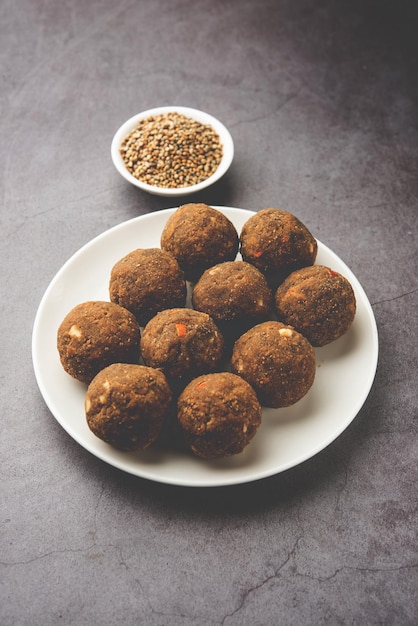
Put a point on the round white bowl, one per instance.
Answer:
(199, 116)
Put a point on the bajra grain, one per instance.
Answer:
(171, 150)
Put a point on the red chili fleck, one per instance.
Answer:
(258, 253)
(181, 330)
(332, 273)
(201, 384)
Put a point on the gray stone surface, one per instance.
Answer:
(322, 100)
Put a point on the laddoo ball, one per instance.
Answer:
(183, 343)
(126, 405)
(318, 301)
(235, 294)
(199, 236)
(277, 361)
(218, 415)
(146, 281)
(95, 334)
(276, 242)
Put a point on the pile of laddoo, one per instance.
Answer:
(195, 341)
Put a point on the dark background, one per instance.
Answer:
(321, 100)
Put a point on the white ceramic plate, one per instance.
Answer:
(287, 437)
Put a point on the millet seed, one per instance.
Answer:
(171, 150)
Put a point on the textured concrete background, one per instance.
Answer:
(321, 97)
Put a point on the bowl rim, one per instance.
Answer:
(196, 114)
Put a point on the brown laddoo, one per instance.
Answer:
(126, 405)
(183, 343)
(319, 302)
(276, 242)
(235, 294)
(95, 334)
(277, 361)
(199, 236)
(218, 415)
(146, 281)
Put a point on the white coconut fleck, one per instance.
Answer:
(75, 331)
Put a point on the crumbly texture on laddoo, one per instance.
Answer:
(199, 236)
(146, 281)
(277, 242)
(171, 150)
(319, 302)
(126, 405)
(218, 415)
(277, 361)
(95, 334)
(234, 293)
(183, 343)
